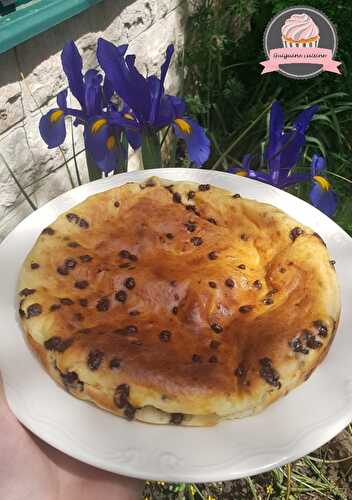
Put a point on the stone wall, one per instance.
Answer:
(31, 76)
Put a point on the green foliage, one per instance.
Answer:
(227, 92)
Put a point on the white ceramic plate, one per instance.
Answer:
(294, 426)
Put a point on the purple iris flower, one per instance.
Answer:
(147, 108)
(283, 152)
(102, 139)
(322, 196)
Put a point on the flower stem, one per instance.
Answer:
(151, 156)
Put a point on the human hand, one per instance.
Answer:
(30, 468)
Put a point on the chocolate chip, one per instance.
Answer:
(81, 284)
(165, 335)
(240, 371)
(197, 241)
(191, 208)
(78, 316)
(116, 204)
(204, 187)
(176, 418)
(62, 270)
(312, 343)
(83, 302)
(322, 328)
(216, 327)
(70, 264)
(212, 255)
(115, 363)
(57, 344)
(196, 358)
(176, 197)
(169, 236)
(229, 283)
(130, 283)
(268, 301)
(131, 329)
(268, 372)
(134, 313)
(319, 238)
(121, 395)
(49, 231)
(124, 254)
(245, 309)
(34, 310)
(72, 218)
(21, 312)
(174, 310)
(83, 224)
(129, 411)
(295, 232)
(332, 263)
(236, 195)
(214, 344)
(94, 359)
(173, 283)
(27, 291)
(190, 226)
(244, 237)
(34, 265)
(133, 257)
(191, 195)
(212, 284)
(121, 296)
(257, 284)
(282, 270)
(69, 377)
(213, 359)
(297, 346)
(85, 258)
(212, 221)
(66, 301)
(241, 266)
(103, 304)
(125, 265)
(73, 244)
(54, 307)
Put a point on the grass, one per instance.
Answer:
(324, 474)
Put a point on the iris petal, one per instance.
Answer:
(134, 138)
(126, 80)
(72, 66)
(53, 132)
(61, 99)
(157, 85)
(318, 165)
(198, 144)
(304, 118)
(102, 146)
(326, 201)
(92, 92)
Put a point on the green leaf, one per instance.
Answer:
(151, 156)
(93, 171)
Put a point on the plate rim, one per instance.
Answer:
(108, 183)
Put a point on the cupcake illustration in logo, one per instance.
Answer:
(300, 30)
(300, 42)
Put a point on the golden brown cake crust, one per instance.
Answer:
(178, 302)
